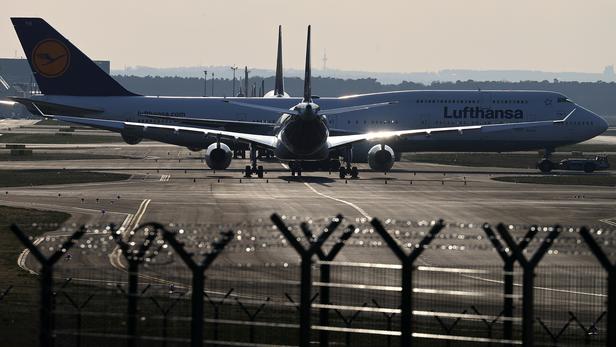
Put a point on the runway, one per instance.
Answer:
(172, 186)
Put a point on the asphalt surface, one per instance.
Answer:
(172, 186)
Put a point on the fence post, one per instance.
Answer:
(252, 316)
(79, 308)
(47, 263)
(306, 254)
(509, 261)
(528, 282)
(198, 278)
(165, 312)
(134, 257)
(610, 268)
(406, 302)
(216, 306)
(325, 277)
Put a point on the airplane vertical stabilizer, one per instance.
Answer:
(59, 67)
(307, 72)
(279, 84)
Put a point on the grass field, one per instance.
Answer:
(22, 298)
(609, 132)
(57, 139)
(36, 156)
(50, 121)
(504, 160)
(584, 180)
(588, 148)
(10, 247)
(18, 178)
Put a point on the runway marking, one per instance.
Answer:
(538, 288)
(357, 208)
(610, 221)
(131, 221)
(23, 256)
(520, 285)
(164, 178)
(21, 260)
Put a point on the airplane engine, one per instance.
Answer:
(131, 137)
(381, 158)
(218, 156)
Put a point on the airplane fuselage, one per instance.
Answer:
(413, 110)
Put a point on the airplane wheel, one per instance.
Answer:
(545, 166)
(342, 171)
(260, 171)
(292, 172)
(248, 171)
(354, 172)
(299, 173)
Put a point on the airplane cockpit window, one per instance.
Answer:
(564, 100)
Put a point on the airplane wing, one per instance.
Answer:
(325, 112)
(117, 126)
(230, 125)
(340, 110)
(234, 125)
(339, 141)
(262, 107)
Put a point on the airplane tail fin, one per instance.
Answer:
(307, 72)
(58, 66)
(279, 85)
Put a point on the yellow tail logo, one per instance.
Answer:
(50, 58)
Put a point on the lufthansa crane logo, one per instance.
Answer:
(51, 58)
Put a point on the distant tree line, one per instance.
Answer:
(598, 96)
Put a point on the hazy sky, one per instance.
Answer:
(386, 35)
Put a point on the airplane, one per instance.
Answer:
(376, 127)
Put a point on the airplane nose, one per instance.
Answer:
(601, 124)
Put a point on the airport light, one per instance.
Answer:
(212, 84)
(204, 83)
(234, 68)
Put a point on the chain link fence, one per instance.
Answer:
(301, 281)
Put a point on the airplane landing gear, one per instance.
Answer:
(351, 171)
(253, 168)
(545, 165)
(348, 170)
(296, 168)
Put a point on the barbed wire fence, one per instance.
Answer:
(282, 284)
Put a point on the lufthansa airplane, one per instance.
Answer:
(372, 127)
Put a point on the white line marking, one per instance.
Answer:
(609, 221)
(21, 260)
(357, 208)
(131, 221)
(538, 288)
(520, 285)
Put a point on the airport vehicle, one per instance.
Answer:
(374, 128)
(587, 165)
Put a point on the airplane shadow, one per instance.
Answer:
(308, 179)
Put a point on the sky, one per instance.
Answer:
(381, 36)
